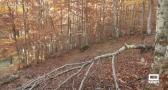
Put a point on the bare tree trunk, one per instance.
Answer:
(143, 14)
(149, 25)
(161, 47)
(11, 14)
(115, 13)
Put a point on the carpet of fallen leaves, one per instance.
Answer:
(132, 68)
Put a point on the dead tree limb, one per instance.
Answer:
(72, 76)
(25, 86)
(114, 73)
(85, 76)
(54, 73)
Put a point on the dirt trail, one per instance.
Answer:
(129, 61)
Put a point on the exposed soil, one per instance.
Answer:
(133, 66)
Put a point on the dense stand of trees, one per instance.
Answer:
(41, 28)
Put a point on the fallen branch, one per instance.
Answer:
(31, 82)
(85, 76)
(72, 76)
(35, 82)
(114, 73)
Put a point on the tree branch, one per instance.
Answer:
(72, 76)
(114, 73)
(85, 76)
(81, 66)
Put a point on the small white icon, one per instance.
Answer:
(153, 78)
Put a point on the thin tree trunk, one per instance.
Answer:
(143, 11)
(149, 26)
(116, 30)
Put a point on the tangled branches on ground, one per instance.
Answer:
(77, 68)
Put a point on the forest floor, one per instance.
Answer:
(132, 66)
